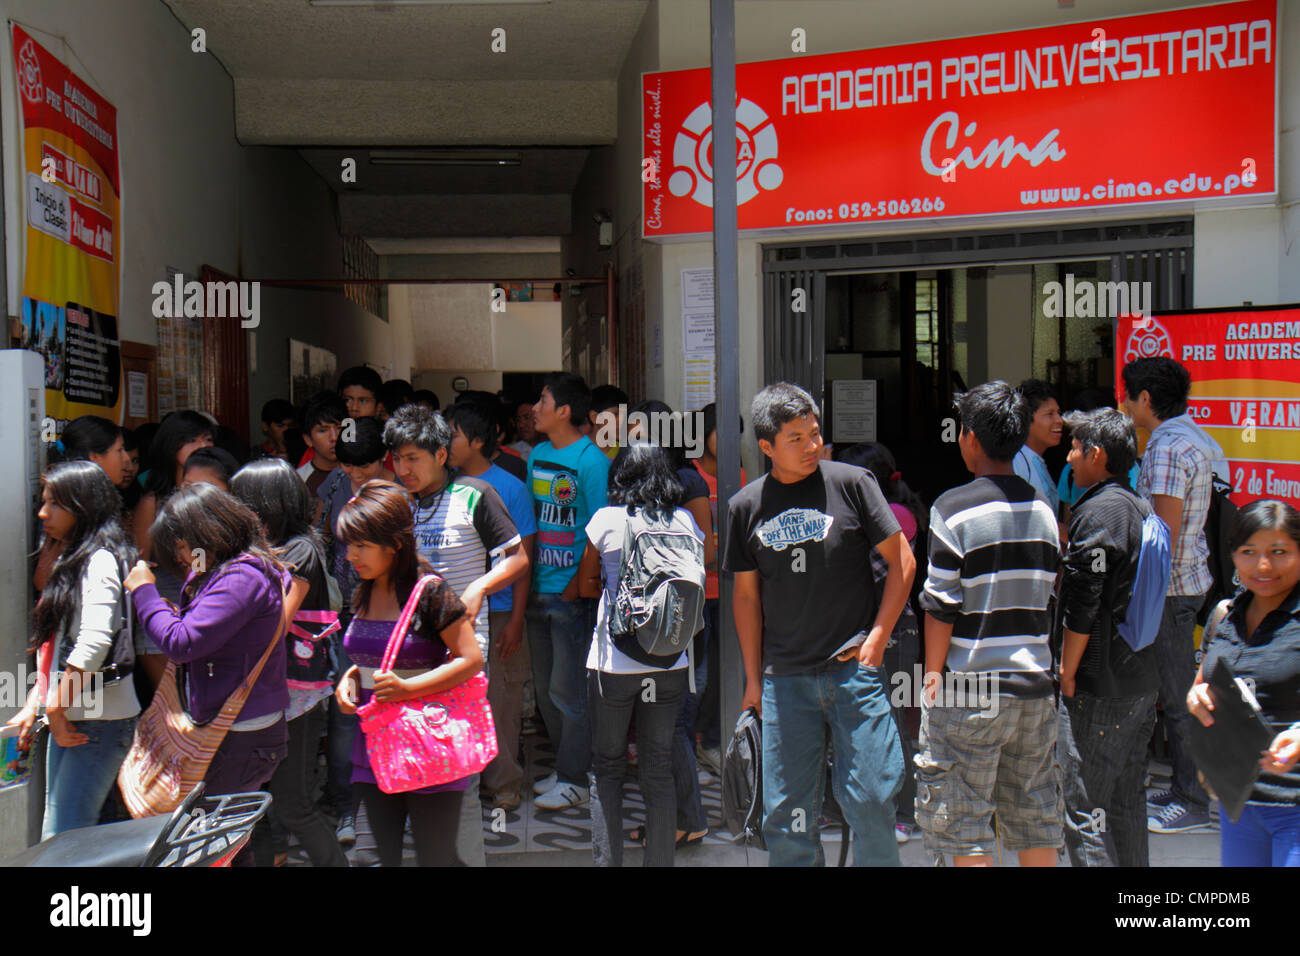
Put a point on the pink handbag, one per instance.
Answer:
(427, 741)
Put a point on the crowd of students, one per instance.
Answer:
(291, 570)
(1037, 710)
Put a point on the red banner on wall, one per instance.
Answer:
(1164, 107)
(71, 246)
(1245, 391)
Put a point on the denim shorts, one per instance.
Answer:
(972, 764)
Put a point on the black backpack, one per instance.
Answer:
(742, 781)
(1218, 525)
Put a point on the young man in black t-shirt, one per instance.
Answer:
(813, 635)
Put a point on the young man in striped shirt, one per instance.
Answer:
(461, 527)
(994, 553)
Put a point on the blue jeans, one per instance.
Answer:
(559, 635)
(1177, 671)
(1268, 834)
(848, 704)
(79, 779)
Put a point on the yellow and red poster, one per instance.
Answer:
(70, 194)
(1245, 392)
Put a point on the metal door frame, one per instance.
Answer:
(1155, 250)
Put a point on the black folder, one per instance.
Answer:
(1227, 752)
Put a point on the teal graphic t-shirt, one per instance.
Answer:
(568, 486)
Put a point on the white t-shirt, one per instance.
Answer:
(605, 531)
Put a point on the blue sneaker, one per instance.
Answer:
(1159, 799)
(1176, 818)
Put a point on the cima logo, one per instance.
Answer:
(756, 166)
(29, 73)
(1149, 339)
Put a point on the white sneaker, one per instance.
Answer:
(546, 783)
(562, 796)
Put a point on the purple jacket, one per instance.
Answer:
(220, 634)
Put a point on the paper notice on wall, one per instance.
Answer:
(853, 407)
(137, 395)
(697, 332)
(697, 290)
(699, 378)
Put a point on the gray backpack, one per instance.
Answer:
(659, 602)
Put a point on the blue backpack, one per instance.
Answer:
(1150, 583)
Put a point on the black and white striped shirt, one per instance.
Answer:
(994, 553)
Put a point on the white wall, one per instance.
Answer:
(439, 382)
(453, 326)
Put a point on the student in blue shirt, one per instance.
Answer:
(474, 439)
(567, 478)
(1046, 428)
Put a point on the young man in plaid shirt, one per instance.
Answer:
(1177, 477)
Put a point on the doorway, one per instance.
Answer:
(884, 333)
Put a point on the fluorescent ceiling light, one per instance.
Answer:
(444, 157)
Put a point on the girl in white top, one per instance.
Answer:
(640, 480)
(90, 701)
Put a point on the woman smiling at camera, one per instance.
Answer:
(1260, 640)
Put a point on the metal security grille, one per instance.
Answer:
(1157, 250)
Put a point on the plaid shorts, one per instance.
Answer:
(971, 764)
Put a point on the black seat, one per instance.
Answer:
(112, 844)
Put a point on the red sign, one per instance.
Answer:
(1244, 390)
(1164, 107)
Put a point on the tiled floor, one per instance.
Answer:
(532, 837)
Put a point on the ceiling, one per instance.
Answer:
(338, 82)
(420, 75)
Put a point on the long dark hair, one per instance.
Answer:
(380, 513)
(84, 489)
(1264, 515)
(879, 460)
(275, 493)
(204, 517)
(177, 430)
(642, 477)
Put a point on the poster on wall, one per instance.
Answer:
(70, 193)
(1014, 122)
(1245, 391)
(311, 369)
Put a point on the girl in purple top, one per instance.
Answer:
(231, 604)
(438, 652)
